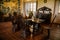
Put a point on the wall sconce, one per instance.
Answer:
(45, 1)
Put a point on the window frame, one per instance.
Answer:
(29, 2)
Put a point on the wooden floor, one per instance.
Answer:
(7, 34)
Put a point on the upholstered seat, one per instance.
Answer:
(44, 13)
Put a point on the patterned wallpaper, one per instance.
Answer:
(9, 6)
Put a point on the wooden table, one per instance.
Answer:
(35, 22)
(48, 29)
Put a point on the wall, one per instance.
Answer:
(57, 12)
(21, 5)
(12, 5)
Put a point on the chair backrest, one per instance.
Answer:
(44, 13)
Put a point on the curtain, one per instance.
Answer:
(30, 6)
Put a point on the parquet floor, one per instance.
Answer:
(7, 34)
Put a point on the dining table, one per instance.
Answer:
(34, 25)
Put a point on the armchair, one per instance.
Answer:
(45, 14)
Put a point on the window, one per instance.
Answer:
(59, 6)
(30, 6)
